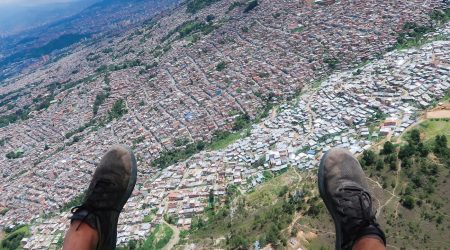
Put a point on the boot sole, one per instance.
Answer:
(132, 180)
(328, 202)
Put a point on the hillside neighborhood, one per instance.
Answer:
(340, 116)
(303, 77)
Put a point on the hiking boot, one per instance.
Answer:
(110, 188)
(344, 190)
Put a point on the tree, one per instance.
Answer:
(221, 66)
(241, 122)
(440, 144)
(369, 157)
(393, 165)
(209, 18)
(211, 197)
(388, 148)
(406, 163)
(406, 152)
(379, 165)
(422, 150)
(408, 202)
(415, 137)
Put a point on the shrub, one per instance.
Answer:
(332, 62)
(221, 66)
(408, 202)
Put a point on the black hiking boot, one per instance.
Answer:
(110, 188)
(344, 190)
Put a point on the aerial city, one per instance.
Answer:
(228, 107)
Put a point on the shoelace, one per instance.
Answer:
(349, 193)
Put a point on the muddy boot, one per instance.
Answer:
(110, 188)
(344, 190)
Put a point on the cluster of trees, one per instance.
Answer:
(331, 62)
(13, 238)
(45, 103)
(185, 150)
(79, 129)
(4, 211)
(420, 171)
(125, 65)
(181, 141)
(259, 162)
(173, 156)
(92, 57)
(412, 35)
(250, 6)
(193, 6)
(99, 100)
(160, 236)
(241, 122)
(234, 5)
(221, 66)
(23, 113)
(441, 16)
(14, 154)
(193, 27)
(118, 110)
(3, 141)
(20, 114)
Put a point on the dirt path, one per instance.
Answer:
(175, 237)
(397, 180)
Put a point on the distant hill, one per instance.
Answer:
(19, 18)
(20, 50)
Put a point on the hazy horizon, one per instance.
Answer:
(21, 15)
(28, 3)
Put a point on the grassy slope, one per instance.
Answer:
(431, 128)
(159, 237)
(254, 215)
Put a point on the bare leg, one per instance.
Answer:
(369, 242)
(80, 237)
